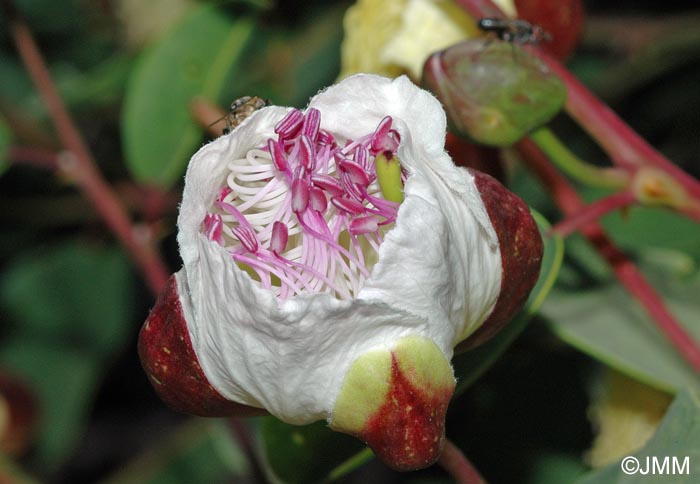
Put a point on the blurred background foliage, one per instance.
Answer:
(71, 303)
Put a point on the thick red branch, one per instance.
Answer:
(626, 272)
(592, 212)
(458, 466)
(83, 169)
(624, 146)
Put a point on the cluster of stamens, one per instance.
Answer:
(304, 214)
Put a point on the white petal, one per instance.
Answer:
(438, 271)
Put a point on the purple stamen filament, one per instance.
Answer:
(304, 213)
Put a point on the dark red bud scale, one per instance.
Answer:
(167, 356)
(521, 255)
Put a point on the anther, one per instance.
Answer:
(328, 183)
(247, 238)
(350, 206)
(364, 225)
(317, 199)
(300, 195)
(280, 235)
(277, 155)
(355, 172)
(312, 123)
(289, 125)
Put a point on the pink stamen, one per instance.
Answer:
(312, 123)
(223, 193)
(277, 155)
(280, 236)
(355, 171)
(329, 184)
(351, 188)
(247, 238)
(213, 227)
(385, 138)
(325, 138)
(294, 209)
(306, 153)
(317, 199)
(290, 124)
(300, 195)
(362, 157)
(364, 225)
(347, 205)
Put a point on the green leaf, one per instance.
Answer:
(654, 227)
(64, 381)
(307, 454)
(73, 296)
(644, 227)
(100, 85)
(289, 80)
(69, 305)
(471, 365)
(191, 61)
(609, 325)
(11, 472)
(554, 467)
(200, 451)
(5, 140)
(677, 437)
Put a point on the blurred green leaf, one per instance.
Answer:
(70, 306)
(471, 365)
(192, 60)
(5, 139)
(678, 436)
(654, 227)
(72, 296)
(642, 227)
(65, 381)
(609, 325)
(306, 454)
(10, 472)
(289, 66)
(200, 451)
(100, 85)
(555, 468)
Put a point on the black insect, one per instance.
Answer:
(242, 108)
(516, 31)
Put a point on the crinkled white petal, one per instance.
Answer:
(438, 274)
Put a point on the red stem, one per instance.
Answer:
(624, 146)
(84, 169)
(593, 211)
(626, 272)
(458, 466)
(38, 157)
(245, 440)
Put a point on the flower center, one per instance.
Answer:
(303, 214)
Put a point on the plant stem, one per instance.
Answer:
(245, 440)
(38, 157)
(624, 146)
(626, 272)
(352, 463)
(593, 211)
(454, 462)
(81, 166)
(575, 167)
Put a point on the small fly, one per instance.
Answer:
(516, 31)
(241, 109)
